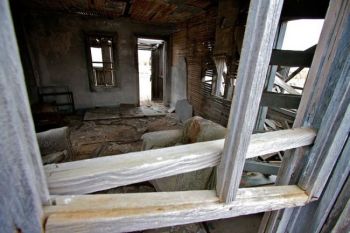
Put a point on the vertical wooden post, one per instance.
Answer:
(270, 79)
(22, 181)
(259, 35)
(323, 106)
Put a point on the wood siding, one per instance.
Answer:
(194, 40)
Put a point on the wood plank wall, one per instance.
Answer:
(194, 40)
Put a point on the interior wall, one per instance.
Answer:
(57, 42)
(178, 67)
(188, 51)
(194, 43)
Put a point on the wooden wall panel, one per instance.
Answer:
(194, 40)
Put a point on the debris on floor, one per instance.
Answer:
(95, 138)
(107, 113)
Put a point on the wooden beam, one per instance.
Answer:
(22, 180)
(343, 223)
(86, 176)
(260, 32)
(292, 75)
(140, 211)
(279, 100)
(328, 147)
(335, 218)
(329, 67)
(317, 214)
(285, 86)
(264, 168)
(270, 79)
(293, 58)
(329, 143)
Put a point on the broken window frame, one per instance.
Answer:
(108, 66)
(221, 72)
(209, 77)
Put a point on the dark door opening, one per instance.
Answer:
(151, 70)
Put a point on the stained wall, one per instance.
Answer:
(57, 46)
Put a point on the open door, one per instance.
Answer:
(151, 69)
(157, 73)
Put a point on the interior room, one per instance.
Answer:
(157, 116)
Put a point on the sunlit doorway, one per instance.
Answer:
(151, 70)
(145, 71)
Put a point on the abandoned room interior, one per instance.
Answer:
(156, 116)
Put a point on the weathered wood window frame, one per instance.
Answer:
(102, 72)
(62, 212)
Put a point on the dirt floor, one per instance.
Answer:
(97, 138)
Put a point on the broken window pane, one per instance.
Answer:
(96, 57)
(101, 61)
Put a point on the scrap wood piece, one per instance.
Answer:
(270, 123)
(261, 167)
(280, 100)
(267, 156)
(292, 75)
(292, 58)
(285, 86)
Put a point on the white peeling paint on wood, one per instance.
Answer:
(96, 174)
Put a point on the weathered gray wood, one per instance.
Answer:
(270, 79)
(279, 100)
(285, 86)
(22, 183)
(328, 145)
(260, 32)
(337, 209)
(101, 173)
(326, 202)
(322, 79)
(335, 125)
(292, 75)
(343, 223)
(139, 211)
(292, 58)
(315, 214)
(264, 168)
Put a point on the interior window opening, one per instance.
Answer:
(101, 61)
(221, 68)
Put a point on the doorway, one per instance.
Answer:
(151, 56)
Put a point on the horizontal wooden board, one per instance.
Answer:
(139, 211)
(91, 175)
(264, 168)
(280, 100)
(285, 86)
(292, 58)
